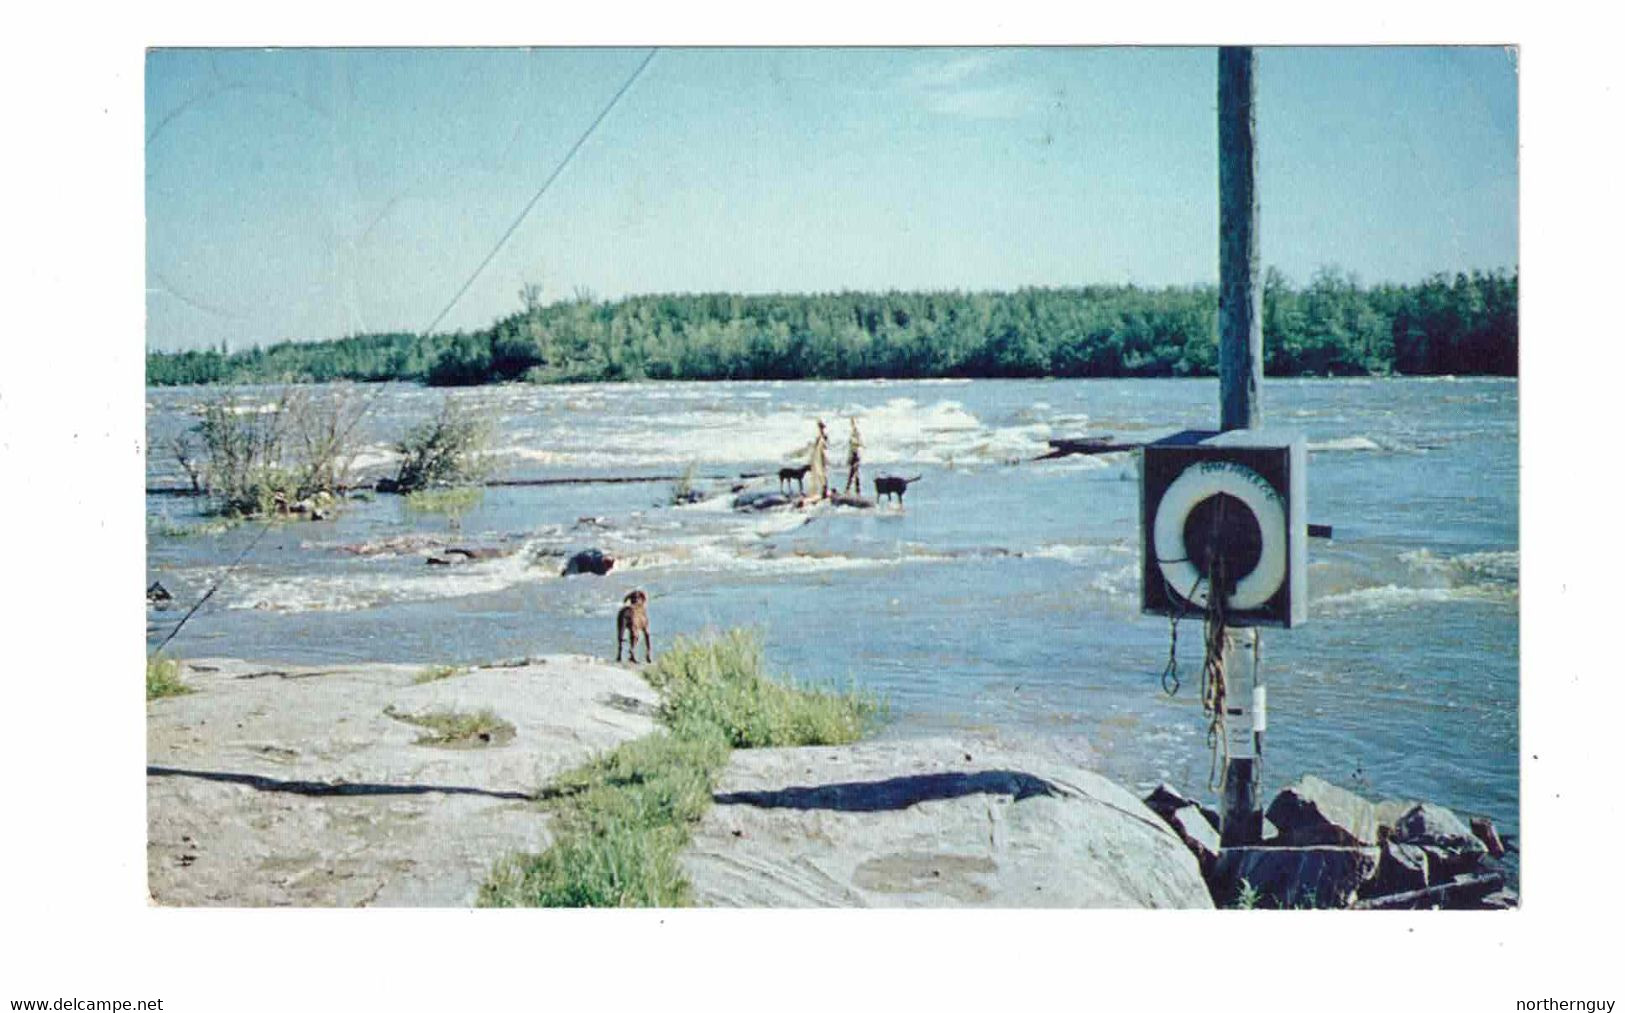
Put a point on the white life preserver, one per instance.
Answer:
(1197, 483)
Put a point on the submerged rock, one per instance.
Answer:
(594, 561)
(763, 500)
(158, 594)
(932, 823)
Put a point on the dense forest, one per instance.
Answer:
(1333, 326)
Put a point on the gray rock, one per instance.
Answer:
(594, 561)
(932, 823)
(1288, 877)
(1313, 812)
(300, 790)
(1191, 824)
(1484, 830)
(1402, 868)
(1389, 810)
(1165, 800)
(1449, 843)
(1500, 900)
(157, 593)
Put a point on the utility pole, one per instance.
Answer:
(1241, 375)
(1241, 332)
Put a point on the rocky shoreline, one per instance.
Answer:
(1323, 846)
(292, 785)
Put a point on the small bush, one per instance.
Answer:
(164, 678)
(250, 459)
(719, 687)
(447, 450)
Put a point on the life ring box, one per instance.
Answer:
(1225, 513)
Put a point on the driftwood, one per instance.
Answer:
(1459, 892)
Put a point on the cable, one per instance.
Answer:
(495, 249)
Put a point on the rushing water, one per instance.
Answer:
(1004, 597)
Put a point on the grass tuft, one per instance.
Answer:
(719, 687)
(454, 500)
(164, 678)
(457, 729)
(434, 673)
(621, 819)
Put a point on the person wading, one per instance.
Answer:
(854, 458)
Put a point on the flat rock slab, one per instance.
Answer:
(932, 823)
(281, 785)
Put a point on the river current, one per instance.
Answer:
(1004, 597)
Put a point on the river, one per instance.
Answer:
(1004, 597)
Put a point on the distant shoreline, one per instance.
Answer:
(1466, 325)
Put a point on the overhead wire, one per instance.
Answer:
(496, 248)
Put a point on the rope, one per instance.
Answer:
(495, 249)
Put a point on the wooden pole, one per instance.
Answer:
(1241, 332)
(1241, 375)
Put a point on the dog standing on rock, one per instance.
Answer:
(632, 619)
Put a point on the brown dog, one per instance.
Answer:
(632, 619)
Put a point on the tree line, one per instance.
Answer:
(1333, 326)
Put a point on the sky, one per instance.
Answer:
(313, 193)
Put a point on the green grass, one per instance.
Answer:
(457, 728)
(622, 818)
(719, 687)
(164, 678)
(454, 500)
(434, 673)
(166, 528)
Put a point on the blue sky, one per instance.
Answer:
(315, 193)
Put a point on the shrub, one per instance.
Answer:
(164, 678)
(254, 456)
(447, 450)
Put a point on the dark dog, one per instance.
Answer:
(892, 485)
(788, 475)
(632, 619)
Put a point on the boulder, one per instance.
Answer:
(943, 822)
(589, 561)
(763, 499)
(1313, 812)
(1165, 800)
(387, 485)
(1484, 830)
(1289, 877)
(1197, 834)
(157, 593)
(1402, 868)
(1501, 900)
(1389, 810)
(688, 496)
(1449, 843)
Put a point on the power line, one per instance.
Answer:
(495, 249)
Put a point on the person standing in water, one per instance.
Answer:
(854, 457)
(818, 463)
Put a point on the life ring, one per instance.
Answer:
(1202, 481)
